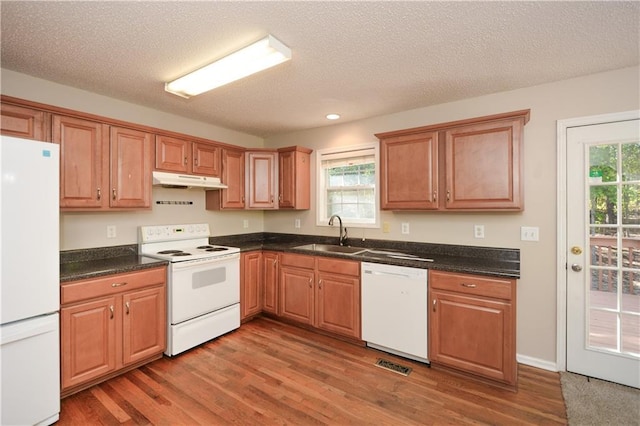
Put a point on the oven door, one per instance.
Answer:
(202, 286)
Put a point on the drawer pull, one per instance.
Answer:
(126, 305)
(118, 284)
(468, 285)
(111, 312)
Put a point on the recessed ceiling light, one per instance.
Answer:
(333, 116)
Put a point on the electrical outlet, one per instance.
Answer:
(478, 231)
(405, 227)
(111, 231)
(245, 223)
(529, 233)
(386, 228)
(297, 224)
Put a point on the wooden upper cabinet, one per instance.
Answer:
(130, 168)
(484, 166)
(84, 162)
(294, 178)
(261, 170)
(183, 156)
(23, 122)
(409, 167)
(233, 170)
(472, 165)
(172, 154)
(206, 159)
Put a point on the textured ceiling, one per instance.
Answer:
(359, 59)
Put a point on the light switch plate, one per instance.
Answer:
(529, 233)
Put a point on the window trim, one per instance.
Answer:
(321, 190)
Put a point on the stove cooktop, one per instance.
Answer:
(179, 243)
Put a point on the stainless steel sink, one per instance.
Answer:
(332, 248)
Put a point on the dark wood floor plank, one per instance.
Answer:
(269, 373)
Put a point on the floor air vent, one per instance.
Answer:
(392, 366)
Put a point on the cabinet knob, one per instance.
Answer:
(320, 284)
(185, 161)
(435, 196)
(434, 305)
(310, 282)
(195, 161)
(113, 192)
(111, 312)
(448, 195)
(99, 194)
(126, 306)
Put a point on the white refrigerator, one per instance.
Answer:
(29, 282)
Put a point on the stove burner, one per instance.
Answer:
(217, 249)
(169, 251)
(204, 247)
(180, 253)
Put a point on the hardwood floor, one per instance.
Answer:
(272, 373)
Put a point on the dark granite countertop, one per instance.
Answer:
(498, 262)
(91, 263)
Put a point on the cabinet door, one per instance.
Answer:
(88, 336)
(294, 178)
(409, 172)
(22, 122)
(473, 334)
(296, 294)
(261, 170)
(250, 278)
(84, 157)
(233, 176)
(338, 304)
(206, 159)
(144, 324)
(172, 154)
(270, 282)
(484, 166)
(130, 168)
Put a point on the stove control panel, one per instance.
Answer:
(157, 233)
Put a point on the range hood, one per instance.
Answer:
(176, 180)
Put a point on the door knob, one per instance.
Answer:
(576, 267)
(576, 250)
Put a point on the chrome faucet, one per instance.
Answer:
(342, 239)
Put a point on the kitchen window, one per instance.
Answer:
(347, 185)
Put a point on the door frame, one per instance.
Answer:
(561, 221)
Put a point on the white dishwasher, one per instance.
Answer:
(394, 309)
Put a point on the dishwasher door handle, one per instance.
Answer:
(387, 273)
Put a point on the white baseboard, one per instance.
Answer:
(536, 362)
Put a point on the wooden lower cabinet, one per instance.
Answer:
(250, 284)
(472, 325)
(111, 324)
(270, 275)
(321, 292)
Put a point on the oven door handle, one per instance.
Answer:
(198, 263)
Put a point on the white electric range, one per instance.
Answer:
(203, 283)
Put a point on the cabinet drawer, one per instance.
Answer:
(336, 266)
(297, 260)
(473, 284)
(111, 284)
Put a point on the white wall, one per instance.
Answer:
(595, 94)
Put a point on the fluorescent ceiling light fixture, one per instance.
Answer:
(254, 58)
(332, 116)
